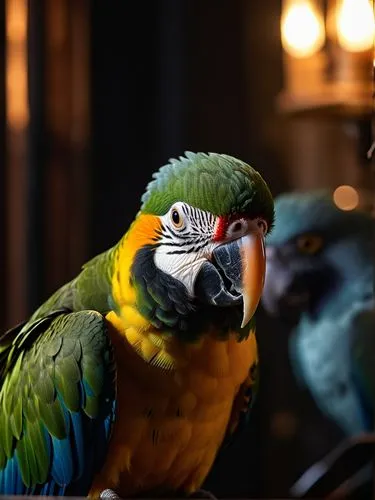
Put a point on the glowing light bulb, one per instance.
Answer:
(355, 25)
(302, 29)
(346, 197)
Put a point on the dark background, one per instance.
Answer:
(173, 76)
(116, 88)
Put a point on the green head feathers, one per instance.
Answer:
(217, 183)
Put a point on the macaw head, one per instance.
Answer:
(319, 257)
(195, 252)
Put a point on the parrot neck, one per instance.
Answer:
(168, 352)
(148, 343)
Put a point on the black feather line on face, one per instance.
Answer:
(166, 303)
(162, 299)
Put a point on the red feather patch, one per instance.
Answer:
(222, 225)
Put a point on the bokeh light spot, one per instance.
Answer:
(302, 30)
(346, 197)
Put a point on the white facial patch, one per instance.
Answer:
(183, 267)
(186, 243)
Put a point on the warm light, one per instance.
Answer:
(16, 64)
(302, 29)
(355, 25)
(346, 197)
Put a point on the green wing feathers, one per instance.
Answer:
(90, 290)
(56, 374)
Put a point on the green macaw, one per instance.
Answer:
(130, 376)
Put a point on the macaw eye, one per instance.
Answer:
(176, 218)
(309, 244)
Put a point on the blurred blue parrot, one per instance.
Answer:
(320, 275)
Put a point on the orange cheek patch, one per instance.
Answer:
(144, 231)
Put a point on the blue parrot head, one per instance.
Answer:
(315, 250)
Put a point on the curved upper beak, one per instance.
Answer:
(253, 273)
(236, 272)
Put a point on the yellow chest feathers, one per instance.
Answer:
(174, 404)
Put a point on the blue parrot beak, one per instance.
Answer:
(235, 274)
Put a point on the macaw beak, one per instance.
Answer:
(253, 262)
(235, 273)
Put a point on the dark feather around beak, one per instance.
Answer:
(235, 275)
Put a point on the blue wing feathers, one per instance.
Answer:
(89, 393)
(62, 461)
(12, 478)
(49, 489)
(78, 442)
